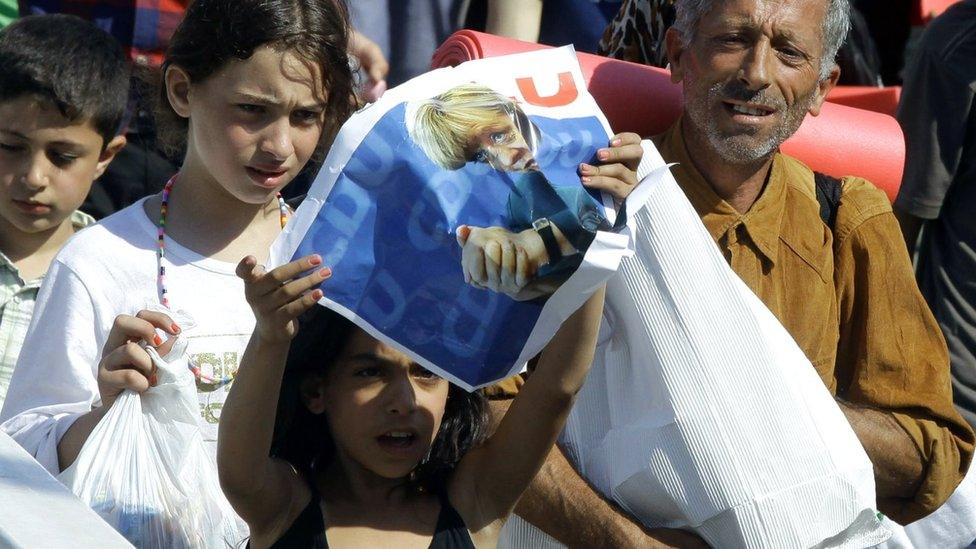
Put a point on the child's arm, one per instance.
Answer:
(124, 365)
(261, 489)
(50, 407)
(490, 479)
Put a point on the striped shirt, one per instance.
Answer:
(16, 308)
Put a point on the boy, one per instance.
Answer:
(63, 90)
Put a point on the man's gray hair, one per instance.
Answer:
(835, 27)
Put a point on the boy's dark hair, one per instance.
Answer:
(215, 32)
(68, 61)
(303, 438)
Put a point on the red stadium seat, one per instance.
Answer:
(843, 140)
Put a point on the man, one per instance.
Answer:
(751, 70)
(938, 115)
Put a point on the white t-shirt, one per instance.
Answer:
(104, 271)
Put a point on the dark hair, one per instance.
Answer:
(215, 32)
(303, 439)
(68, 61)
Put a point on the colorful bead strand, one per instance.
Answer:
(283, 212)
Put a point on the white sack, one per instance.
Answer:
(701, 412)
(144, 468)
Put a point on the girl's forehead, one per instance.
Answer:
(282, 76)
(361, 344)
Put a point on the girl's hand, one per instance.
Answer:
(280, 296)
(617, 172)
(126, 365)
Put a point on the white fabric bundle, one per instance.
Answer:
(701, 412)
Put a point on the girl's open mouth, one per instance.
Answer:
(397, 441)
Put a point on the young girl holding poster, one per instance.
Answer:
(370, 449)
(252, 89)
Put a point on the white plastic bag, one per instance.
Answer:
(144, 468)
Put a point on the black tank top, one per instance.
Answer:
(308, 530)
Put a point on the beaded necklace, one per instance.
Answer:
(161, 278)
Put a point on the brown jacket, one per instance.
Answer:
(848, 297)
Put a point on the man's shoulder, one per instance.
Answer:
(860, 201)
(859, 198)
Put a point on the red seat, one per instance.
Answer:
(841, 141)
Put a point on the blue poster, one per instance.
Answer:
(409, 171)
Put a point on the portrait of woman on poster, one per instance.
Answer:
(549, 228)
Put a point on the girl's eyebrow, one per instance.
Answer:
(367, 357)
(271, 100)
(256, 98)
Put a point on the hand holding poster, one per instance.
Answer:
(458, 183)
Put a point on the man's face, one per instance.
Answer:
(752, 73)
(500, 143)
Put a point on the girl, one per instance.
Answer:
(252, 89)
(370, 449)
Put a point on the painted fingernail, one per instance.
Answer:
(157, 341)
(603, 154)
(153, 380)
(315, 260)
(325, 273)
(317, 294)
(175, 328)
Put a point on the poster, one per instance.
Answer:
(492, 143)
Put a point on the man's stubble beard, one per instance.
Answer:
(738, 148)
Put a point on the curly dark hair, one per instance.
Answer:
(214, 32)
(303, 438)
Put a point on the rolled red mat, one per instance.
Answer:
(871, 98)
(841, 141)
(622, 89)
(848, 141)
